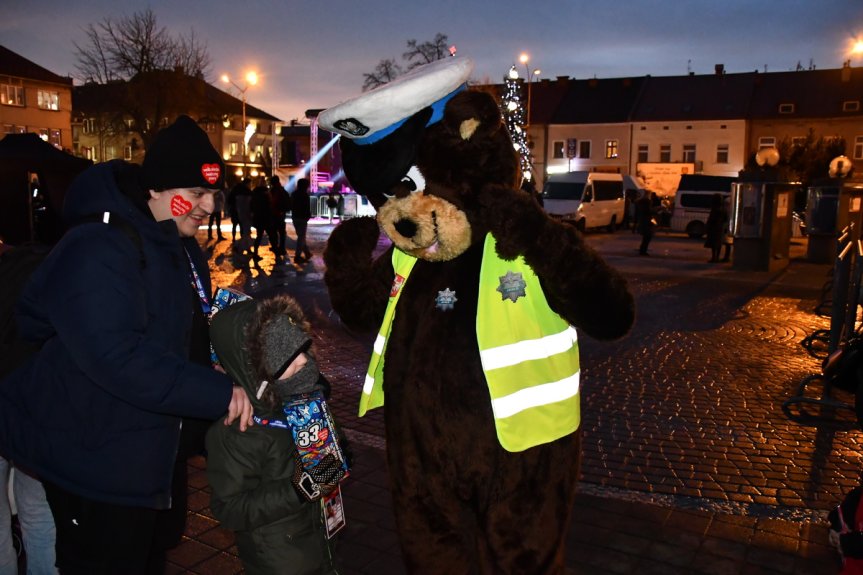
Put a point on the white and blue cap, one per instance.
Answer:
(377, 113)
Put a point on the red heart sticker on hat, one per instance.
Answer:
(180, 205)
(211, 172)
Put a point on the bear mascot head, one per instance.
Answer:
(476, 303)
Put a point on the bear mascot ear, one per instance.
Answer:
(471, 141)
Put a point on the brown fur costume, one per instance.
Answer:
(463, 504)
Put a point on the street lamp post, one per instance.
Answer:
(277, 151)
(524, 59)
(251, 80)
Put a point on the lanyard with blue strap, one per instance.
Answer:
(198, 286)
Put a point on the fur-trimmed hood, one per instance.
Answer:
(252, 336)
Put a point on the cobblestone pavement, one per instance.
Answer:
(690, 464)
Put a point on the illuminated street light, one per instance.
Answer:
(250, 80)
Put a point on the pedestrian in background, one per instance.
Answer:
(216, 216)
(717, 224)
(262, 217)
(281, 205)
(96, 413)
(301, 213)
(333, 200)
(645, 220)
(239, 205)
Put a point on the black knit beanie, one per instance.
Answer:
(181, 156)
(284, 341)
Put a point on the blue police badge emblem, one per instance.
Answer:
(512, 286)
(445, 300)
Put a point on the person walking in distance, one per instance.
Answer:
(262, 217)
(301, 213)
(239, 199)
(717, 225)
(645, 222)
(281, 205)
(216, 216)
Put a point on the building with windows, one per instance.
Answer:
(709, 124)
(117, 120)
(33, 99)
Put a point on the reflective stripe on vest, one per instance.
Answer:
(529, 354)
(373, 390)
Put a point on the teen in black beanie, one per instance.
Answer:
(181, 156)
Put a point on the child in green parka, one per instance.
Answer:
(264, 345)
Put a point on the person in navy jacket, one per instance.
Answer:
(96, 413)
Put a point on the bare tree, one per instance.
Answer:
(427, 52)
(151, 73)
(416, 55)
(121, 49)
(386, 71)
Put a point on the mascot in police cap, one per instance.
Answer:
(476, 305)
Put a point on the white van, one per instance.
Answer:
(693, 199)
(587, 199)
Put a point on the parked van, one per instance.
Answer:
(693, 199)
(587, 199)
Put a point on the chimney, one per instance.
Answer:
(720, 69)
(846, 72)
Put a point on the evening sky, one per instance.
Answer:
(312, 54)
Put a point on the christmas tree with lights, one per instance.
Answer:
(514, 116)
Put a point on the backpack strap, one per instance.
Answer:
(118, 222)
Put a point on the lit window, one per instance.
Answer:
(643, 152)
(722, 153)
(611, 148)
(766, 142)
(584, 149)
(127, 153)
(54, 138)
(858, 148)
(90, 126)
(11, 95)
(557, 147)
(110, 154)
(234, 148)
(786, 108)
(851, 106)
(665, 153)
(48, 100)
(689, 153)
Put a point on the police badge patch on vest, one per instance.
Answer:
(512, 286)
(445, 300)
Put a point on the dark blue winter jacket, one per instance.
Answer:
(97, 411)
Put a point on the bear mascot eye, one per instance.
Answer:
(414, 180)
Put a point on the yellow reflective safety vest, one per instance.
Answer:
(529, 353)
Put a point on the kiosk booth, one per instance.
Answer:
(832, 205)
(760, 220)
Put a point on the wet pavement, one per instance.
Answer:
(690, 464)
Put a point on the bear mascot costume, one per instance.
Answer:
(474, 305)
